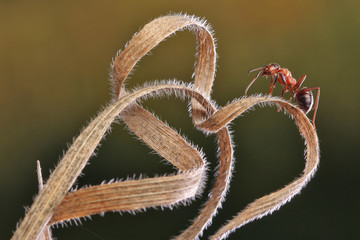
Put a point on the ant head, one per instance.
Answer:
(271, 69)
(268, 70)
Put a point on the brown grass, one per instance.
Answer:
(54, 202)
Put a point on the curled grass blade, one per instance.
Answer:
(54, 204)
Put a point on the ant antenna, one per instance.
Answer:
(255, 69)
(257, 75)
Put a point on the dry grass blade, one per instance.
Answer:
(126, 194)
(153, 33)
(131, 195)
(66, 173)
(273, 201)
(164, 191)
(76, 157)
(78, 154)
(54, 204)
(114, 198)
(46, 234)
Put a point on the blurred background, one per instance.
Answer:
(54, 64)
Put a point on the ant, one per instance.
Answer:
(303, 97)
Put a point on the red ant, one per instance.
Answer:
(303, 97)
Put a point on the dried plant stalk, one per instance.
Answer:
(82, 199)
(54, 204)
(273, 201)
(183, 156)
(46, 234)
(155, 32)
(140, 44)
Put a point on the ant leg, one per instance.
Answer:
(316, 102)
(282, 97)
(298, 84)
(282, 79)
(272, 84)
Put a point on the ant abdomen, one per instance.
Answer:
(304, 100)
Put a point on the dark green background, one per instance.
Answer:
(54, 62)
